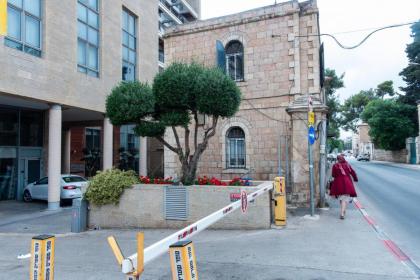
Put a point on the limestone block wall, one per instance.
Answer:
(281, 62)
(143, 207)
(392, 156)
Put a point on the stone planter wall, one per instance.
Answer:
(143, 207)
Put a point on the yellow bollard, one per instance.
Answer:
(183, 264)
(279, 201)
(42, 257)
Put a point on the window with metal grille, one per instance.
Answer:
(129, 46)
(88, 37)
(24, 26)
(235, 148)
(235, 60)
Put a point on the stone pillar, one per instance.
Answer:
(143, 156)
(107, 146)
(298, 111)
(54, 157)
(66, 152)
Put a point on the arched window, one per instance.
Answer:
(235, 60)
(235, 148)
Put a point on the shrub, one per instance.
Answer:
(108, 186)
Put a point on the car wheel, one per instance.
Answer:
(27, 196)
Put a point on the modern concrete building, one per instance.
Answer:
(274, 55)
(59, 60)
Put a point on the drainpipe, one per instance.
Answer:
(323, 163)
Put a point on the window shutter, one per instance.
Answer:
(220, 56)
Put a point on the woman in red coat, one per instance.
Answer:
(342, 187)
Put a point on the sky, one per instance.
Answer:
(379, 59)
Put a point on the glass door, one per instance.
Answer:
(33, 170)
(7, 178)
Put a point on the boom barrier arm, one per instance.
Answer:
(162, 246)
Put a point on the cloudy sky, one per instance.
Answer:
(379, 59)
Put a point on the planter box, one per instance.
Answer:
(143, 206)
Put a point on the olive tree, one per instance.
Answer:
(179, 94)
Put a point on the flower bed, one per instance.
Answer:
(213, 181)
(156, 181)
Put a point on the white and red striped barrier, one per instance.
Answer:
(162, 246)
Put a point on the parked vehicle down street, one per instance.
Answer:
(70, 188)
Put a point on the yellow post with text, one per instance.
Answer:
(183, 263)
(279, 201)
(42, 257)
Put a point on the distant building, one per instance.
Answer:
(366, 145)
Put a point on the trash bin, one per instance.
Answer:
(79, 215)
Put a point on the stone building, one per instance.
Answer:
(273, 53)
(59, 60)
(366, 145)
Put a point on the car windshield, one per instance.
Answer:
(73, 179)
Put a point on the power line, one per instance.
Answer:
(370, 34)
(362, 30)
(357, 45)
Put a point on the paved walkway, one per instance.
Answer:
(328, 248)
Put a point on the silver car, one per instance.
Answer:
(71, 186)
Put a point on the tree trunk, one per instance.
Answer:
(190, 163)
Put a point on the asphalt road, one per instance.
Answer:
(391, 196)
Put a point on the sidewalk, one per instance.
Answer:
(328, 248)
(401, 165)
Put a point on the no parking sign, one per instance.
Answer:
(244, 201)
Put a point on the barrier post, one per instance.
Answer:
(42, 257)
(120, 257)
(183, 263)
(279, 201)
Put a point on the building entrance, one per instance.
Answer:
(30, 168)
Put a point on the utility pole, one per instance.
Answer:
(323, 163)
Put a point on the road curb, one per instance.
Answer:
(388, 243)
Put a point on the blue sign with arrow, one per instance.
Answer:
(311, 135)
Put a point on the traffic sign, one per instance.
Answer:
(311, 135)
(311, 118)
(244, 201)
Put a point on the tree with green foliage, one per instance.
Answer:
(353, 107)
(180, 93)
(385, 89)
(331, 85)
(411, 73)
(389, 123)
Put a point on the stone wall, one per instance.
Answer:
(143, 207)
(281, 65)
(392, 156)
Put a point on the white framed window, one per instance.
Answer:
(129, 46)
(235, 148)
(24, 26)
(235, 60)
(88, 37)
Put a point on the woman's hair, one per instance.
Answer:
(341, 158)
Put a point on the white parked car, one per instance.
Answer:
(71, 186)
